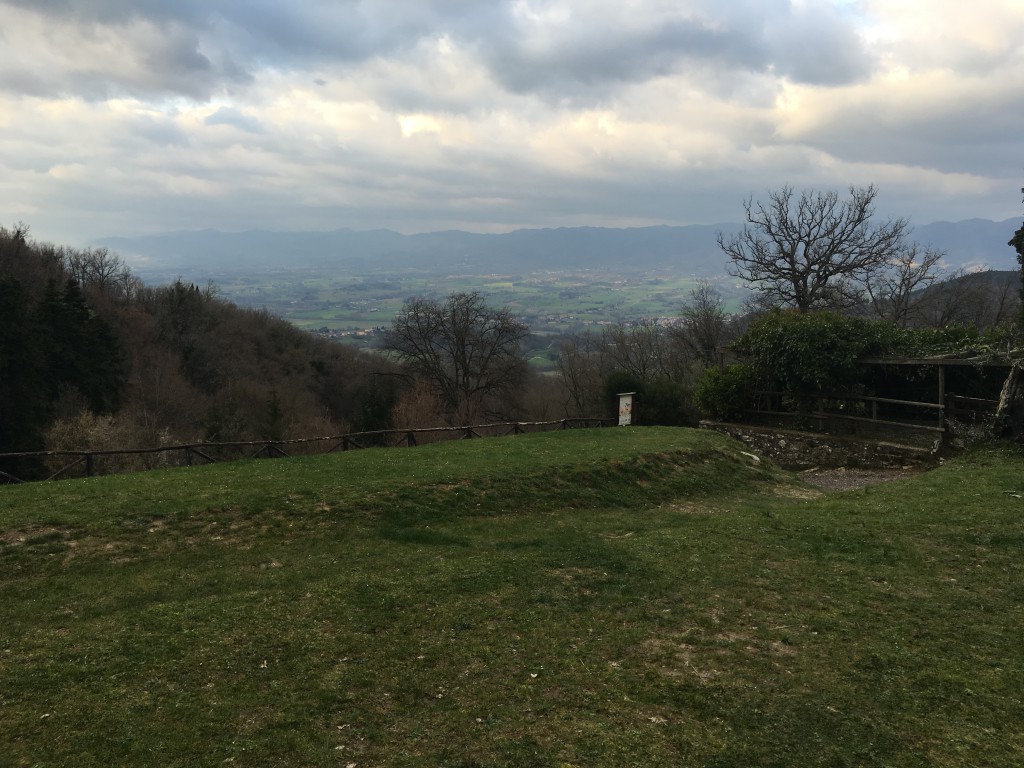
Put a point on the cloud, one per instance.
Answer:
(136, 56)
(596, 45)
(816, 45)
(123, 116)
(197, 49)
(235, 118)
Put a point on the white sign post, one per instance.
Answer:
(626, 401)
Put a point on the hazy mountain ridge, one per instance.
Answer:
(690, 249)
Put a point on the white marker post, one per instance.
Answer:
(627, 401)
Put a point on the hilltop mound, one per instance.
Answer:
(613, 597)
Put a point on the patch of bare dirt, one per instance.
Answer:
(842, 479)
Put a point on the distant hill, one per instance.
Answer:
(690, 249)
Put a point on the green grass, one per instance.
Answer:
(594, 598)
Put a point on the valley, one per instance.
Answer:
(356, 308)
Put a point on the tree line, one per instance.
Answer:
(91, 358)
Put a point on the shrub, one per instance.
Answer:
(812, 353)
(725, 393)
(667, 403)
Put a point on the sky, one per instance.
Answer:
(130, 118)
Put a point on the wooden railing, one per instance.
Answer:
(89, 462)
(953, 408)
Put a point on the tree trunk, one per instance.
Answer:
(1010, 413)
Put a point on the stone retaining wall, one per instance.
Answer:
(803, 450)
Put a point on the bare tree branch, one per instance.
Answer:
(471, 354)
(896, 290)
(812, 251)
(704, 322)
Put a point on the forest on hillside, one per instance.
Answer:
(90, 357)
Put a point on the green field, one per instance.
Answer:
(616, 597)
(549, 303)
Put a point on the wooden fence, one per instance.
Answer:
(88, 463)
(910, 415)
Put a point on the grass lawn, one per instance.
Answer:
(617, 597)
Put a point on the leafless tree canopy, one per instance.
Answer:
(896, 291)
(812, 251)
(581, 371)
(650, 353)
(645, 350)
(981, 299)
(704, 325)
(471, 354)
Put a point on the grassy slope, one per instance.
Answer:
(611, 597)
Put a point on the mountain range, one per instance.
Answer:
(692, 249)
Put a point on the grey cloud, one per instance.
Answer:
(236, 119)
(25, 83)
(590, 57)
(978, 134)
(114, 11)
(594, 54)
(817, 46)
(215, 44)
(161, 132)
(202, 46)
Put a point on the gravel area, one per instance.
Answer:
(852, 479)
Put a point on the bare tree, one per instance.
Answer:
(645, 350)
(896, 290)
(704, 323)
(471, 354)
(981, 299)
(1004, 301)
(812, 251)
(101, 270)
(956, 300)
(580, 367)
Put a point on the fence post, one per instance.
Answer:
(88, 465)
(942, 398)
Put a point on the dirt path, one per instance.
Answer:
(852, 479)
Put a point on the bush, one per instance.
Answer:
(660, 402)
(667, 403)
(812, 353)
(726, 393)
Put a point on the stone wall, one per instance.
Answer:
(803, 450)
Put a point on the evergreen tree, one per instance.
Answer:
(79, 350)
(23, 404)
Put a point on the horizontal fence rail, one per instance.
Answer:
(865, 409)
(89, 462)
